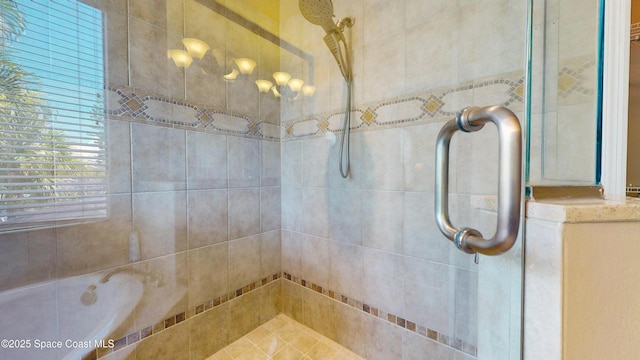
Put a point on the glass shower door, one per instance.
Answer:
(371, 240)
(480, 209)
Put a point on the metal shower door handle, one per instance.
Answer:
(509, 182)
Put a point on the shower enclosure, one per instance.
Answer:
(225, 206)
(402, 288)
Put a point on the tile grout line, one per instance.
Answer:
(150, 330)
(457, 344)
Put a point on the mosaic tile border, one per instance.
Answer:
(396, 320)
(432, 106)
(439, 105)
(572, 77)
(138, 106)
(172, 320)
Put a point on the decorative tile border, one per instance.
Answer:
(409, 325)
(573, 77)
(433, 106)
(141, 334)
(172, 320)
(436, 105)
(135, 105)
(575, 84)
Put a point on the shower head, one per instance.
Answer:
(319, 12)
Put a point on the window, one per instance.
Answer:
(52, 127)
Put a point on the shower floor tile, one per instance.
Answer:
(284, 338)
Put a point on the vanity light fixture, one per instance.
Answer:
(195, 47)
(264, 85)
(180, 57)
(245, 65)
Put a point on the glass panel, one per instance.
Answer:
(565, 97)
(228, 207)
(415, 65)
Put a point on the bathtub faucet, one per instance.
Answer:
(148, 277)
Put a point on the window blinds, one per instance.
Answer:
(52, 129)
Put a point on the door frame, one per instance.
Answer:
(615, 98)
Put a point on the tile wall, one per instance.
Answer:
(191, 250)
(369, 238)
(564, 92)
(221, 209)
(364, 262)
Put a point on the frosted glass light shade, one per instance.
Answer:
(275, 92)
(231, 76)
(196, 48)
(308, 90)
(245, 65)
(281, 77)
(180, 57)
(295, 84)
(264, 85)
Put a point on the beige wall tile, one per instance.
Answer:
(96, 245)
(170, 344)
(244, 261)
(382, 18)
(117, 54)
(206, 161)
(208, 273)
(431, 61)
(316, 262)
(167, 15)
(244, 162)
(384, 66)
(316, 211)
(383, 340)
(347, 270)
(208, 217)
(421, 236)
(345, 215)
(480, 61)
(149, 66)
(429, 294)
(158, 158)
(15, 260)
(271, 253)
(160, 222)
(270, 175)
(208, 332)
(244, 212)
(272, 300)
(170, 296)
(414, 347)
(245, 314)
(293, 301)
(418, 157)
(270, 208)
(119, 156)
(380, 162)
(382, 220)
(292, 216)
(316, 161)
(292, 165)
(383, 280)
(291, 248)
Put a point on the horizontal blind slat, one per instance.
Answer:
(52, 151)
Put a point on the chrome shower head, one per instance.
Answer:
(318, 12)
